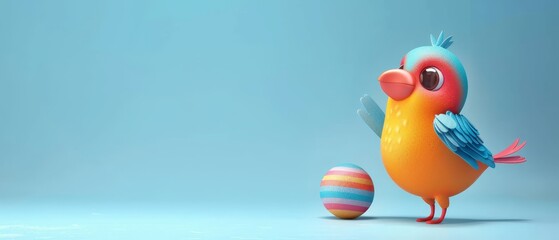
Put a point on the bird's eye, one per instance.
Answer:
(431, 79)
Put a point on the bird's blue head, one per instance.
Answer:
(431, 75)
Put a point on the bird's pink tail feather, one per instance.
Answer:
(504, 156)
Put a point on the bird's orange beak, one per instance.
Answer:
(398, 84)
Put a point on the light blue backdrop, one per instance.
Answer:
(244, 104)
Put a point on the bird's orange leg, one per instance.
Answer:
(444, 203)
(431, 202)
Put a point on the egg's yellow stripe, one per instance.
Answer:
(347, 179)
(347, 214)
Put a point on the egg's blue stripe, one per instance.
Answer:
(349, 165)
(347, 195)
(345, 189)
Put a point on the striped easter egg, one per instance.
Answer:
(347, 191)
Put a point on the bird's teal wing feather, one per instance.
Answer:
(460, 136)
(372, 115)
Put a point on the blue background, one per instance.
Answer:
(207, 109)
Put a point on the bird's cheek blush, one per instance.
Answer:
(450, 95)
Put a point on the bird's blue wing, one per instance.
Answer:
(372, 115)
(460, 136)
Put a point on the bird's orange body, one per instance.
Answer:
(416, 159)
(428, 148)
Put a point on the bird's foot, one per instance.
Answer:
(425, 219)
(430, 217)
(437, 221)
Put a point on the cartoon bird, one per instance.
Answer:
(427, 147)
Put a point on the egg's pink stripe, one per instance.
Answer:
(346, 201)
(348, 173)
(338, 206)
(348, 169)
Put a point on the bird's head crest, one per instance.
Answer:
(441, 41)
